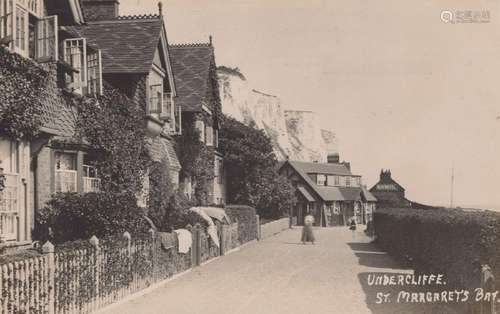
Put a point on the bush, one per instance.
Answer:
(252, 170)
(452, 242)
(178, 214)
(247, 222)
(72, 216)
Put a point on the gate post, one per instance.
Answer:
(488, 285)
(49, 250)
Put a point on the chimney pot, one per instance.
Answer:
(100, 10)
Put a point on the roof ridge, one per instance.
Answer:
(138, 17)
(191, 45)
(124, 18)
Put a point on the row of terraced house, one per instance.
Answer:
(88, 47)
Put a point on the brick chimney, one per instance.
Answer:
(100, 10)
(385, 175)
(333, 158)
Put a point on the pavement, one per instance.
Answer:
(281, 275)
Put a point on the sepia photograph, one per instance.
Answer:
(249, 156)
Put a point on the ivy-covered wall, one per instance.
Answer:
(22, 86)
(197, 161)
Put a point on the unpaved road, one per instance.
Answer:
(280, 275)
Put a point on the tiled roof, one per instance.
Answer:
(369, 197)
(329, 193)
(127, 44)
(323, 168)
(191, 66)
(305, 193)
(160, 147)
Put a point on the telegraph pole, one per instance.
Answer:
(452, 183)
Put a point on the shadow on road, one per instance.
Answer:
(371, 256)
(363, 246)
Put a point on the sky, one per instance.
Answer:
(402, 89)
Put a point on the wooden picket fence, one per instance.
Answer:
(87, 275)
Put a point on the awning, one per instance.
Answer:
(306, 194)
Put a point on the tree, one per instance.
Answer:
(252, 170)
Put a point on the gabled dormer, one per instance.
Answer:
(135, 59)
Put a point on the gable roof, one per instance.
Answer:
(191, 65)
(322, 168)
(127, 44)
(328, 193)
(387, 181)
(369, 197)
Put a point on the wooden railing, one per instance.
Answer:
(91, 184)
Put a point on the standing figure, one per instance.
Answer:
(307, 231)
(352, 227)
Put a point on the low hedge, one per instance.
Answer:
(247, 222)
(452, 242)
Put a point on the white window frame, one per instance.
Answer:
(347, 181)
(7, 17)
(10, 196)
(14, 29)
(79, 79)
(321, 182)
(94, 73)
(46, 41)
(70, 176)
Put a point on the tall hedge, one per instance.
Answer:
(452, 242)
(247, 222)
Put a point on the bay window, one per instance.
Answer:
(26, 31)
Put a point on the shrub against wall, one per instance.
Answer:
(247, 222)
(113, 126)
(71, 216)
(453, 242)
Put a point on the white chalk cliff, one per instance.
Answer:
(296, 134)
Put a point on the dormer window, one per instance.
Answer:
(321, 179)
(26, 31)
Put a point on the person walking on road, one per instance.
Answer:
(307, 231)
(352, 227)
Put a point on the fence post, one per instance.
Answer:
(94, 241)
(49, 250)
(257, 219)
(197, 229)
(153, 254)
(222, 241)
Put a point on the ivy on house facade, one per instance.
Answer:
(22, 91)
